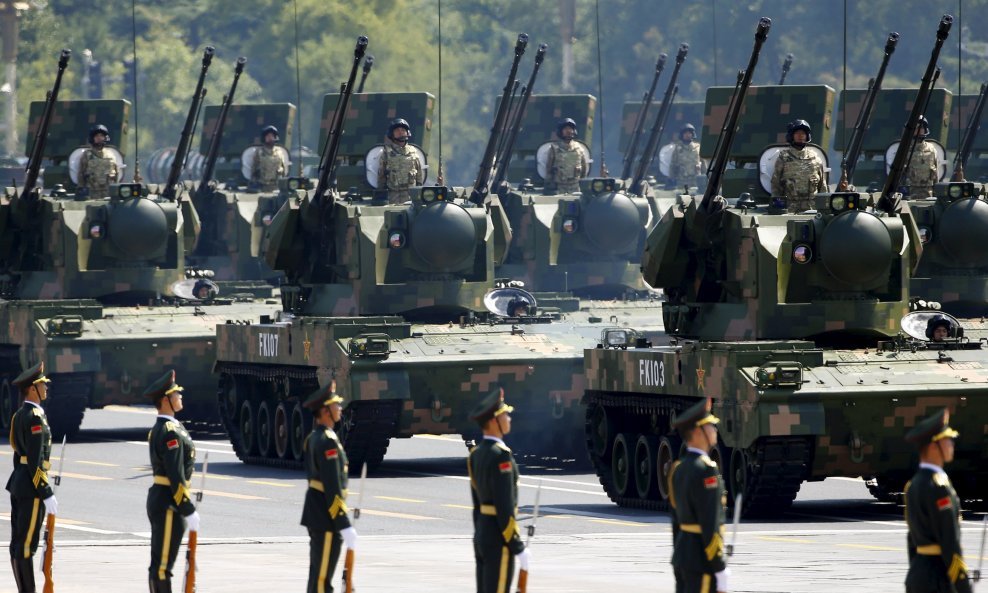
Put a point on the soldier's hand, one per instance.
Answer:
(192, 521)
(522, 559)
(350, 538)
(721, 578)
(51, 505)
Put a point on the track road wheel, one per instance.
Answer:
(621, 462)
(248, 427)
(299, 428)
(600, 431)
(646, 451)
(739, 477)
(281, 431)
(667, 455)
(265, 428)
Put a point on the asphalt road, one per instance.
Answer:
(416, 516)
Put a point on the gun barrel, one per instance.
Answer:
(186, 138)
(629, 156)
(653, 138)
(970, 132)
(855, 142)
(786, 66)
(898, 168)
(368, 64)
(216, 138)
(719, 161)
(41, 134)
(515, 125)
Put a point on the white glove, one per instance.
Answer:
(522, 558)
(350, 538)
(51, 505)
(192, 521)
(722, 579)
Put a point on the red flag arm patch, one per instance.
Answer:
(944, 503)
(504, 466)
(710, 482)
(36, 429)
(332, 453)
(172, 444)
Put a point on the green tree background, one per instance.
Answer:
(476, 44)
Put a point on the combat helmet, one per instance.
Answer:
(687, 128)
(399, 123)
(270, 130)
(939, 321)
(566, 122)
(799, 124)
(98, 129)
(923, 125)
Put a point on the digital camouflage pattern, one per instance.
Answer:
(565, 166)
(399, 169)
(924, 170)
(97, 170)
(767, 112)
(892, 109)
(241, 130)
(798, 176)
(367, 126)
(686, 163)
(680, 114)
(69, 130)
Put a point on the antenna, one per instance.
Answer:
(298, 93)
(137, 127)
(600, 92)
(439, 117)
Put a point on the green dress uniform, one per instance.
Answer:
(936, 562)
(494, 490)
(697, 500)
(28, 485)
(324, 513)
(169, 500)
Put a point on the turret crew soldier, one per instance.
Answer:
(325, 513)
(28, 485)
(399, 168)
(169, 502)
(936, 562)
(269, 161)
(493, 473)
(97, 168)
(685, 164)
(697, 499)
(924, 166)
(799, 173)
(567, 162)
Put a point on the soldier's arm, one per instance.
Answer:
(584, 164)
(473, 488)
(777, 189)
(948, 530)
(331, 475)
(550, 165)
(172, 450)
(83, 170)
(382, 170)
(709, 496)
(672, 500)
(910, 544)
(505, 503)
(114, 172)
(36, 466)
(822, 186)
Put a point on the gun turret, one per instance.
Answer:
(183, 144)
(327, 165)
(217, 137)
(505, 157)
(973, 125)
(889, 202)
(368, 64)
(629, 157)
(854, 144)
(38, 151)
(786, 67)
(481, 186)
(660, 119)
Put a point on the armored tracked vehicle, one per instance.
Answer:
(791, 323)
(93, 285)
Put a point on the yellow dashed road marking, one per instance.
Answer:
(266, 483)
(788, 540)
(398, 515)
(867, 547)
(395, 498)
(616, 522)
(98, 463)
(233, 495)
(84, 476)
(459, 506)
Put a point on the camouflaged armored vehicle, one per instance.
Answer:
(388, 301)
(95, 286)
(680, 114)
(791, 323)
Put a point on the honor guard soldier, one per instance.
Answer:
(30, 438)
(97, 169)
(697, 499)
(494, 488)
(325, 512)
(169, 503)
(936, 563)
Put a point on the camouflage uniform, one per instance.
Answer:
(97, 170)
(924, 170)
(697, 499)
(30, 438)
(685, 164)
(268, 168)
(566, 166)
(494, 491)
(169, 499)
(936, 562)
(399, 170)
(798, 176)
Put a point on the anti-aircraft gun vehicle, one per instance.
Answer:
(97, 287)
(386, 303)
(791, 324)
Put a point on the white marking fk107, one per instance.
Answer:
(268, 345)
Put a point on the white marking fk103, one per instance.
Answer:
(651, 373)
(268, 345)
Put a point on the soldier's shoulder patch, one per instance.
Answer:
(332, 453)
(710, 482)
(172, 444)
(504, 466)
(944, 503)
(36, 429)
(941, 479)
